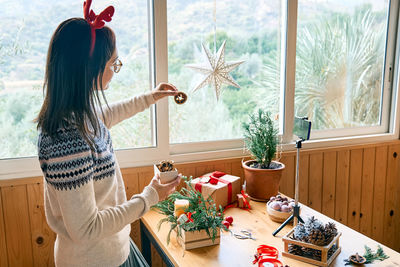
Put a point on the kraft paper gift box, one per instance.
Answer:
(223, 188)
(243, 200)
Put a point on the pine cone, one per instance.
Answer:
(330, 232)
(312, 253)
(312, 223)
(317, 237)
(300, 233)
(295, 250)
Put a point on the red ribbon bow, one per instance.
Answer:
(214, 179)
(96, 21)
(189, 216)
(245, 201)
(267, 254)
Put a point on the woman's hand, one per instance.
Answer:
(163, 90)
(164, 190)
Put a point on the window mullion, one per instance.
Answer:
(390, 101)
(160, 72)
(288, 71)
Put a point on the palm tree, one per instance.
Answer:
(339, 61)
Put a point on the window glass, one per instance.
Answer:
(339, 62)
(251, 30)
(23, 50)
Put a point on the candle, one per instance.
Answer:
(180, 206)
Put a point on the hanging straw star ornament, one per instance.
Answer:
(216, 70)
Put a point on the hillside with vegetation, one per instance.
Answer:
(340, 55)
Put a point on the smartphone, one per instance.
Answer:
(302, 128)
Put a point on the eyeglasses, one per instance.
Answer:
(117, 65)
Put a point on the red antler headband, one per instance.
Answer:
(96, 22)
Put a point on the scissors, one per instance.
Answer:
(245, 235)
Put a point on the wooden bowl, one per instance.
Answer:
(353, 258)
(277, 216)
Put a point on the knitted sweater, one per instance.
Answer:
(85, 199)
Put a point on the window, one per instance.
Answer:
(23, 51)
(132, 32)
(333, 61)
(340, 58)
(242, 24)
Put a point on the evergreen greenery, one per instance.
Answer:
(261, 138)
(370, 256)
(205, 214)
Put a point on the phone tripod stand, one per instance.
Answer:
(296, 209)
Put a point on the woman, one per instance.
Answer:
(85, 199)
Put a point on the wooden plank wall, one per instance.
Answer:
(358, 186)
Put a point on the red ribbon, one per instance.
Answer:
(245, 201)
(189, 215)
(215, 177)
(267, 254)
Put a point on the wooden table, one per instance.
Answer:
(235, 252)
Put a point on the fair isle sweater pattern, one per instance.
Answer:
(84, 193)
(67, 162)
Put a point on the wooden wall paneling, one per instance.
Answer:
(131, 180)
(303, 177)
(3, 244)
(397, 200)
(342, 185)
(225, 167)
(135, 234)
(43, 237)
(144, 179)
(19, 181)
(237, 170)
(186, 171)
(367, 191)
(315, 181)
(156, 260)
(288, 175)
(203, 169)
(355, 180)
(392, 211)
(378, 207)
(17, 225)
(329, 184)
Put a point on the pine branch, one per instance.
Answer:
(205, 214)
(370, 256)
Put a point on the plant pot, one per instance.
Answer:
(166, 177)
(262, 184)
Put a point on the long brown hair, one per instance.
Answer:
(72, 77)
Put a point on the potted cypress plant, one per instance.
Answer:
(262, 174)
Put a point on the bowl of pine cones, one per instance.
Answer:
(166, 171)
(313, 241)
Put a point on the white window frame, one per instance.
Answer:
(186, 152)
